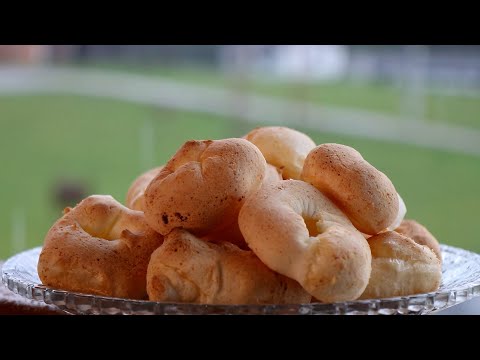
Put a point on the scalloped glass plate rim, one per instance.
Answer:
(73, 302)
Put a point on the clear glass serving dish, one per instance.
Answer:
(460, 282)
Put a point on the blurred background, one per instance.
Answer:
(83, 119)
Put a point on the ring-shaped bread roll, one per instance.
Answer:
(203, 186)
(363, 193)
(187, 269)
(99, 247)
(272, 175)
(402, 211)
(282, 147)
(135, 194)
(298, 232)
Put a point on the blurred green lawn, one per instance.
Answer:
(459, 110)
(45, 138)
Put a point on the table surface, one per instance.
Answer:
(470, 307)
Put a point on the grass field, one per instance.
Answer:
(387, 99)
(102, 143)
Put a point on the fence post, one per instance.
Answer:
(19, 230)
(239, 77)
(414, 97)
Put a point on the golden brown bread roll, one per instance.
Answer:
(282, 147)
(135, 194)
(233, 234)
(420, 234)
(363, 193)
(297, 231)
(187, 269)
(272, 175)
(230, 233)
(203, 186)
(99, 247)
(401, 267)
(402, 210)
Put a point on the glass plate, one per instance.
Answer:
(460, 282)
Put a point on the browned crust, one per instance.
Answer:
(283, 147)
(99, 247)
(203, 186)
(419, 233)
(187, 269)
(363, 193)
(135, 193)
(401, 267)
(332, 264)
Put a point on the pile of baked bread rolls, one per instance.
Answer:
(270, 218)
